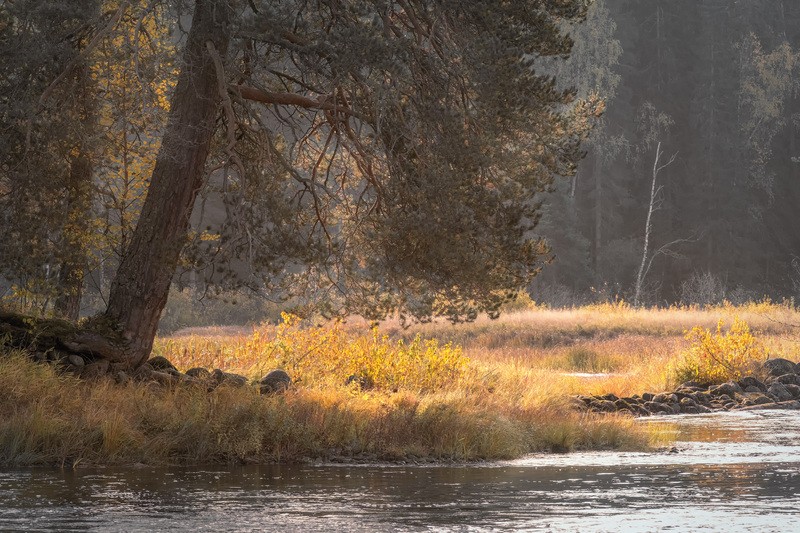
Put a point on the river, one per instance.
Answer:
(728, 471)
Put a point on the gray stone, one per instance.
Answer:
(163, 378)
(666, 398)
(161, 364)
(752, 389)
(726, 389)
(275, 381)
(787, 379)
(750, 381)
(760, 399)
(794, 390)
(199, 373)
(76, 361)
(656, 407)
(605, 406)
(780, 392)
(791, 404)
(692, 386)
(96, 369)
(228, 378)
(779, 366)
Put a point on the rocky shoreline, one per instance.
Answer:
(776, 387)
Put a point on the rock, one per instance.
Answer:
(666, 398)
(164, 378)
(681, 394)
(228, 378)
(791, 404)
(778, 366)
(621, 404)
(199, 373)
(189, 380)
(363, 382)
(610, 397)
(275, 381)
(752, 389)
(648, 396)
(725, 389)
(76, 361)
(161, 364)
(750, 381)
(604, 406)
(656, 407)
(760, 399)
(121, 378)
(780, 392)
(794, 390)
(143, 373)
(96, 369)
(693, 386)
(702, 397)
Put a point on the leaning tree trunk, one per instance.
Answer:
(139, 291)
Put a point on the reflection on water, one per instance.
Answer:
(747, 477)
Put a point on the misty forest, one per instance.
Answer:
(707, 87)
(316, 242)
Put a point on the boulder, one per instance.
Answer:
(199, 373)
(164, 378)
(787, 379)
(666, 398)
(161, 364)
(759, 399)
(778, 366)
(791, 404)
(794, 390)
(730, 388)
(604, 406)
(750, 381)
(275, 381)
(780, 392)
(96, 369)
(76, 361)
(228, 378)
(693, 386)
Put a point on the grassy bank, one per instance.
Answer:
(489, 390)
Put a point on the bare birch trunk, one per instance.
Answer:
(648, 227)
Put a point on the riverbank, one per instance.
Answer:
(57, 420)
(485, 391)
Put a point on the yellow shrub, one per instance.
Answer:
(716, 357)
(329, 355)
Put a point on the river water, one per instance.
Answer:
(726, 472)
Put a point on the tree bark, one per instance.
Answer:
(141, 286)
(73, 265)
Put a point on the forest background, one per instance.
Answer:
(713, 82)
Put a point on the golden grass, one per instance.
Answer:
(489, 390)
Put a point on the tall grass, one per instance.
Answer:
(489, 390)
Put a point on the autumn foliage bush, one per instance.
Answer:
(719, 356)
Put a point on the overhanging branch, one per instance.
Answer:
(290, 99)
